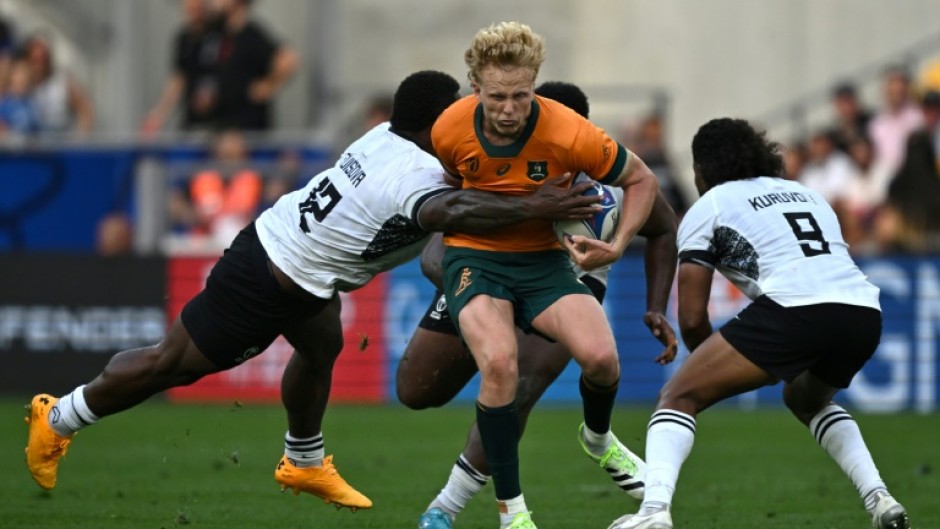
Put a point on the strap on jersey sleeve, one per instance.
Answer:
(422, 200)
(613, 176)
(699, 257)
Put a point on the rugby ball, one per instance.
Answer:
(602, 225)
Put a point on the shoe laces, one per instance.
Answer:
(61, 447)
(328, 465)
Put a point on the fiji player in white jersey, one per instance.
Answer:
(436, 364)
(813, 323)
(372, 211)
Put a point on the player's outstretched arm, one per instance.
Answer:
(475, 211)
(695, 288)
(660, 254)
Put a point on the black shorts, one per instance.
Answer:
(437, 317)
(831, 340)
(243, 308)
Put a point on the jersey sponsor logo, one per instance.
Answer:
(537, 170)
(473, 165)
(465, 281)
(503, 169)
(605, 151)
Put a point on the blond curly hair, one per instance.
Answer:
(504, 44)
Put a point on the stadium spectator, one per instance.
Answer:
(18, 115)
(7, 52)
(896, 120)
(373, 111)
(250, 67)
(114, 236)
(378, 110)
(61, 102)
(220, 199)
(930, 105)
(283, 178)
(282, 276)
(865, 194)
(649, 145)
(851, 118)
(910, 220)
(814, 320)
(191, 80)
(794, 160)
(828, 170)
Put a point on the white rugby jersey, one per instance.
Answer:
(775, 237)
(356, 219)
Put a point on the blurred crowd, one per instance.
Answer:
(36, 95)
(879, 168)
(877, 164)
(226, 70)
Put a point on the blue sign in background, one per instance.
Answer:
(901, 376)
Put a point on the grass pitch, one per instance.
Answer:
(167, 467)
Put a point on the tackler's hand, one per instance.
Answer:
(557, 199)
(659, 326)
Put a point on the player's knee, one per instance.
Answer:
(602, 367)
(414, 397)
(529, 388)
(801, 405)
(410, 398)
(500, 368)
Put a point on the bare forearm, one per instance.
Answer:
(660, 264)
(172, 91)
(474, 211)
(285, 64)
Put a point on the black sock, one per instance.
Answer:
(598, 403)
(499, 431)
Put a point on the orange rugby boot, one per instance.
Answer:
(45, 446)
(323, 481)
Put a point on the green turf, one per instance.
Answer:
(161, 466)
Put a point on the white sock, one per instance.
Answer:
(464, 483)
(838, 434)
(668, 443)
(512, 507)
(596, 443)
(304, 453)
(70, 414)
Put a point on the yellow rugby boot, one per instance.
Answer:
(323, 481)
(45, 447)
